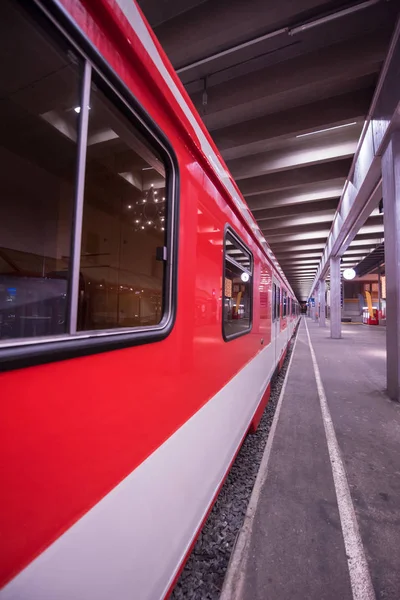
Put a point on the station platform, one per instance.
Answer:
(323, 521)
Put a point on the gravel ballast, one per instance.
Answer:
(204, 572)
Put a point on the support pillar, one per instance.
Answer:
(391, 221)
(316, 309)
(336, 310)
(322, 303)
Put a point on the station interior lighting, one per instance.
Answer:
(349, 274)
(326, 129)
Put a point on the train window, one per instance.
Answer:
(238, 287)
(278, 302)
(273, 302)
(40, 83)
(124, 222)
(87, 201)
(284, 303)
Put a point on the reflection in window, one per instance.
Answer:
(238, 285)
(278, 302)
(38, 131)
(124, 224)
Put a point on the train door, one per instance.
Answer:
(276, 325)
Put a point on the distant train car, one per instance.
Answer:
(142, 313)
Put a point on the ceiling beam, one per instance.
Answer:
(322, 216)
(301, 152)
(293, 210)
(293, 82)
(294, 178)
(254, 136)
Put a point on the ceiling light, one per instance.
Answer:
(77, 109)
(326, 129)
(349, 273)
(129, 205)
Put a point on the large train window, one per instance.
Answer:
(237, 288)
(277, 302)
(40, 84)
(87, 201)
(124, 221)
(284, 303)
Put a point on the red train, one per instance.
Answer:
(142, 313)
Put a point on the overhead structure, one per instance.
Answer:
(284, 89)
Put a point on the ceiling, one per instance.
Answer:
(267, 77)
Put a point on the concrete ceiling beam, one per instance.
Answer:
(299, 218)
(191, 36)
(301, 176)
(303, 228)
(289, 237)
(295, 82)
(284, 258)
(302, 246)
(299, 152)
(294, 210)
(311, 221)
(254, 136)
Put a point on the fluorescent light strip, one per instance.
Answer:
(327, 129)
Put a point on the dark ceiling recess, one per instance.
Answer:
(372, 261)
(284, 88)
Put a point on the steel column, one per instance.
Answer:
(316, 309)
(391, 218)
(336, 311)
(322, 308)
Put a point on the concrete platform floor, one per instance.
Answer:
(292, 545)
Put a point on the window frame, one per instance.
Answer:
(31, 351)
(229, 230)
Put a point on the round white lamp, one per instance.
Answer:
(349, 273)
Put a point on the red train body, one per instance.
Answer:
(111, 458)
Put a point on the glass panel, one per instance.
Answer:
(39, 89)
(278, 302)
(124, 222)
(237, 288)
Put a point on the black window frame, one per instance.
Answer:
(60, 26)
(229, 230)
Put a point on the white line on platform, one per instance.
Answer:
(360, 578)
(234, 578)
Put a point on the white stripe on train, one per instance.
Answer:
(132, 543)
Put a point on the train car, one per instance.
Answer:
(142, 313)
